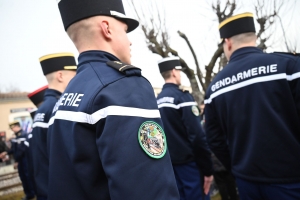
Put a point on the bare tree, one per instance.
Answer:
(151, 14)
(157, 39)
(266, 13)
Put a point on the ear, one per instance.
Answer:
(59, 76)
(174, 73)
(228, 43)
(105, 29)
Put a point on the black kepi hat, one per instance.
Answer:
(169, 63)
(32, 113)
(37, 96)
(242, 23)
(72, 11)
(58, 61)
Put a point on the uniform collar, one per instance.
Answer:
(170, 85)
(52, 93)
(244, 50)
(19, 133)
(95, 55)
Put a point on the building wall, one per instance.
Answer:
(6, 116)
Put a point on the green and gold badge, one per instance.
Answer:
(195, 110)
(152, 139)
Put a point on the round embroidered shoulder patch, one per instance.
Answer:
(195, 110)
(152, 139)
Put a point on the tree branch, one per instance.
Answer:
(191, 76)
(199, 73)
(209, 68)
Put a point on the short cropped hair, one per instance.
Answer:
(50, 77)
(167, 74)
(244, 38)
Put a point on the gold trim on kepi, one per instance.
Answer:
(14, 123)
(70, 67)
(58, 61)
(238, 24)
(247, 14)
(55, 55)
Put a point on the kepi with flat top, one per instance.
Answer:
(72, 11)
(58, 61)
(241, 23)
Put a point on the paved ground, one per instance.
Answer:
(7, 169)
(15, 196)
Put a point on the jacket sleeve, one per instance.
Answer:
(121, 143)
(19, 152)
(215, 137)
(295, 84)
(196, 135)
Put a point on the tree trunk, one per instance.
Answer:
(198, 96)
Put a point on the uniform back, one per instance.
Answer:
(93, 143)
(255, 101)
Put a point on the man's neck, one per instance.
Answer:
(171, 81)
(241, 46)
(94, 44)
(16, 133)
(56, 87)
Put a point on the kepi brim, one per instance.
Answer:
(131, 23)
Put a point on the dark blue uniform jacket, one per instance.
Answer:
(186, 139)
(18, 147)
(38, 142)
(253, 116)
(93, 140)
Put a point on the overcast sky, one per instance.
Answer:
(33, 28)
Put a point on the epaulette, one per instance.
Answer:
(288, 53)
(121, 67)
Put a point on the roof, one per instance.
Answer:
(13, 96)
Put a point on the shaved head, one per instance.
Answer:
(59, 80)
(238, 41)
(50, 77)
(244, 38)
(101, 33)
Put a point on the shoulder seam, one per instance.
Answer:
(183, 93)
(91, 101)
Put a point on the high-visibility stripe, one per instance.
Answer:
(26, 143)
(40, 124)
(252, 81)
(170, 105)
(19, 140)
(82, 117)
(293, 76)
